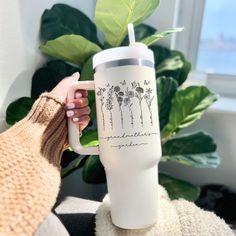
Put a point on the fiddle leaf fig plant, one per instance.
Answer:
(70, 40)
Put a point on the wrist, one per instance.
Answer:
(47, 109)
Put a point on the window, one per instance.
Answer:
(209, 42)
(217, 47)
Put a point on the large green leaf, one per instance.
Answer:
(18, 109)
(91, 98)
(184, 71)
(87, 70)
(167, 65)
(180, 73)
(166, 89)
(67, 157)
(141, 31)
(80, 162)
(87, 74)
(177, 188)
(155, 37)
(160, 53)
(113, 16)
(71, 48)
(187, 106)
(62, 19)
(93, 171)
(89, 138)
(170, 64)
(196, 150)
(93, 113)
(47, 77)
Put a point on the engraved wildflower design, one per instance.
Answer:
(101, 96)
(125, 96)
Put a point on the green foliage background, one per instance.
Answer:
(70, 40)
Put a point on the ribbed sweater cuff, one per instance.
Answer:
(51, 112)
(47, 119)
(46, 109)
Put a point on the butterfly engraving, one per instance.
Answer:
(146, 83)
(134, 85)
(123, 83)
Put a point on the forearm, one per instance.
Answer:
(30, 166)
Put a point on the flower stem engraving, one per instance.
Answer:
(100, 94)
(127, 102)
(148, 98)
(131, 115)
(138, 94)
(109, 104)
(124, 95)
(119, 97)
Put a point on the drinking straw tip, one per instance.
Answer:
(131, 33)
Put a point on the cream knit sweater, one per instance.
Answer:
(30, 167)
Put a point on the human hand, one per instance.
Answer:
(78, 110)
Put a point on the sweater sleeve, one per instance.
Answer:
(30, 154)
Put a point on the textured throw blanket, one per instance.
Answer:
(175, 218)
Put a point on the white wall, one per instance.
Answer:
(19, 57)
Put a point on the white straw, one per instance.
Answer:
(131, 33)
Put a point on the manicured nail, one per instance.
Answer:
(75, 119)
(70, 105)
(76, 74)
(78, 95)
(70, 113)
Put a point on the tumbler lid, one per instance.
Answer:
(135, 50)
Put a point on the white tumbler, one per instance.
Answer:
(128, 130)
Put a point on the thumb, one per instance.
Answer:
(61, 88)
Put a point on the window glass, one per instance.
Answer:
(217, 48)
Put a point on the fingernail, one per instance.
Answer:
(75, 119)
(70, 113)
(70, 105)
(78, 95)
(76, 74)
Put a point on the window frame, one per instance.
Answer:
(189, 13)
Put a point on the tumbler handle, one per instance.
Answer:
(73, 129)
